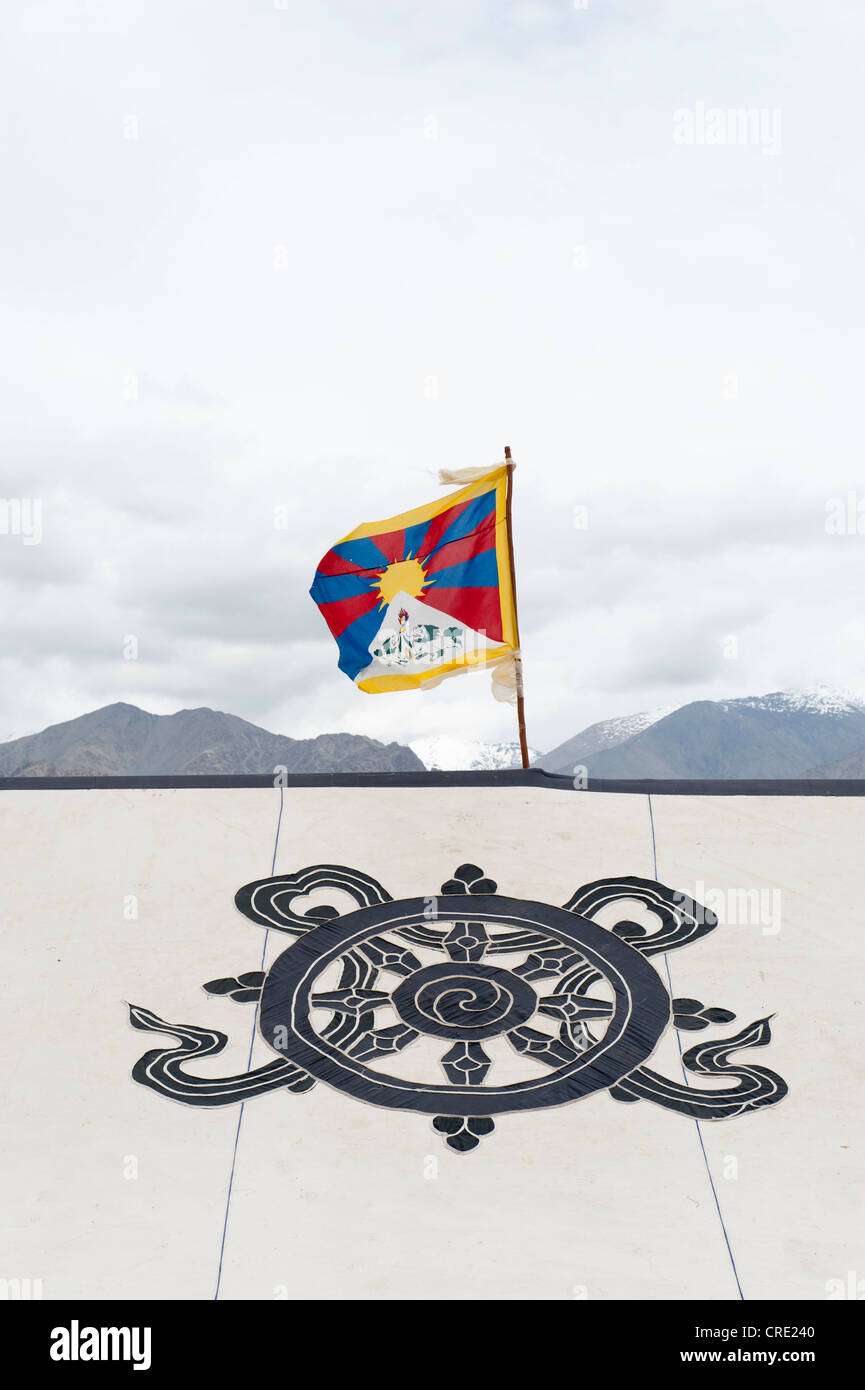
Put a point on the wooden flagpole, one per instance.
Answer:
(518, 661)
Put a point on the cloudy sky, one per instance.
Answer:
(268, 265)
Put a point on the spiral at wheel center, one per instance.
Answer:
(466, 1001)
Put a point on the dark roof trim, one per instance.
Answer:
(514, 777)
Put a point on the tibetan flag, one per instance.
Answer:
(425, 595)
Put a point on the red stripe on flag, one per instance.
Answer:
(439, 525)
(457, 552)
(342, 611)
(478, 608)
(332, 564)
(392, 545)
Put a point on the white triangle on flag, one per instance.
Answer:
(424, 639)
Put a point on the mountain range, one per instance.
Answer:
(442, 751)
(817, 733)
(122, 740)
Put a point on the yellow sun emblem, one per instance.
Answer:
(405, 576)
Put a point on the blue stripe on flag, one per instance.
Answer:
(361, 552)
(481, 571)
(354, 642)
(469, 520)
(327, 588)
(413, 537)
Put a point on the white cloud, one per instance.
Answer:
(237, 241)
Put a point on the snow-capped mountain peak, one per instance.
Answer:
(616, 730)
(817, 699)
(444, 753)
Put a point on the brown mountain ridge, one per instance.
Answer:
(123, 740)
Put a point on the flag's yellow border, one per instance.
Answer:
(376, 685)
(497, 478)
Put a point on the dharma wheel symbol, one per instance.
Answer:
(468, 1004)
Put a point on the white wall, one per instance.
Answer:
(331, 1197)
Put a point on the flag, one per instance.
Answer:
(424, 595)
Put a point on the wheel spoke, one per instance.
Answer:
(548, 960)
(389, 955)
(350, 1001)
(466, 941)
(466, 1064)
(573, 1008)
(551, 1051)
(380, 1041)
